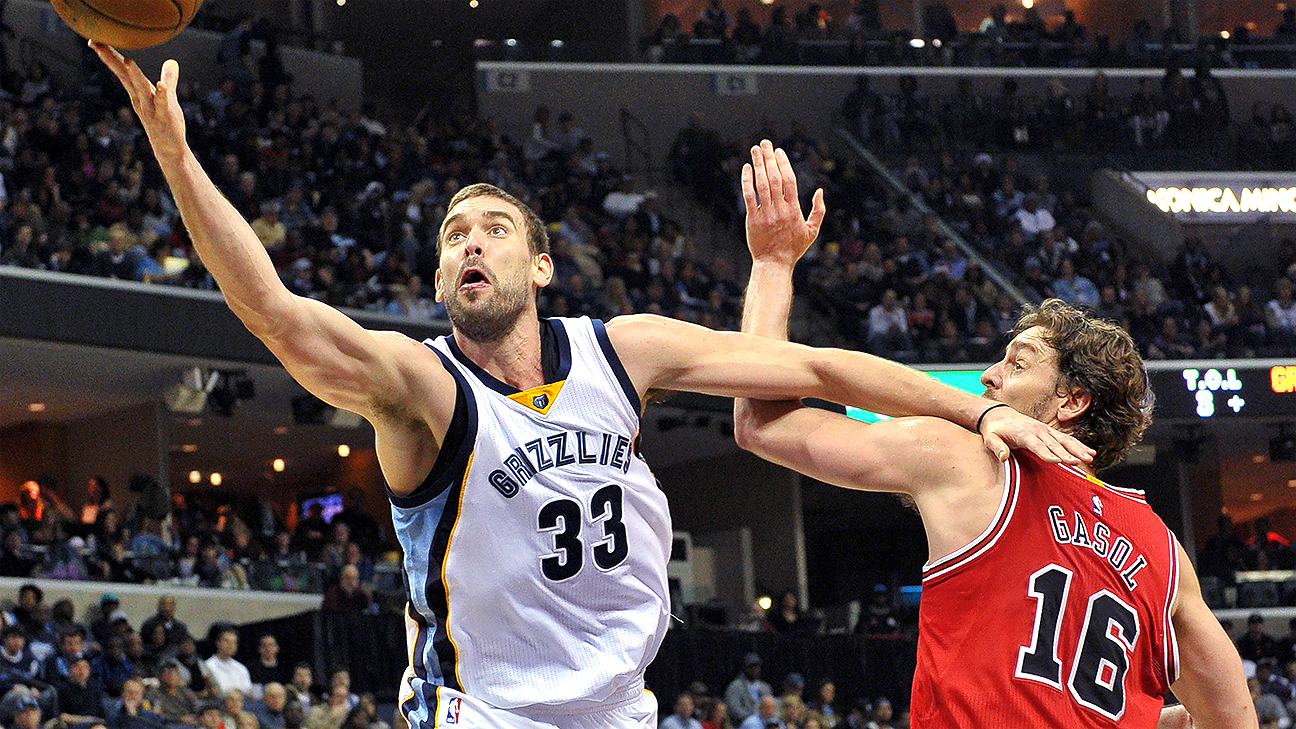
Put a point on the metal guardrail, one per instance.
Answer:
(990, 270)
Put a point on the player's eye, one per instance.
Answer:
(498, 230)
(455, 237)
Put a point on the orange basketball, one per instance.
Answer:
(127, 24)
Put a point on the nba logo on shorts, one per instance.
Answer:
(452, 710)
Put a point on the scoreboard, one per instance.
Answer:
(1196, 390)
(1259, 390)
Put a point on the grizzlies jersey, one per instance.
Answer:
(536, 552)
(1057, 615)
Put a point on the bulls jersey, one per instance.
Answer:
(536, 552)
(1057, 615)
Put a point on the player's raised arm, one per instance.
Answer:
(328, 353)
(1211, 683)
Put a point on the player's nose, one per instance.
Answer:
(990, 377)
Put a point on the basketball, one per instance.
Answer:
(129, 24)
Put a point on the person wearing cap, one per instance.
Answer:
(1255, 643)
(745, 692)
(109, 610)
(21, 711)
(171, 697)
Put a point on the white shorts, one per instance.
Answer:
(456, 710)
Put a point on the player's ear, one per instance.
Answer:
(440, 290)
(1077, 402)
(542, 269)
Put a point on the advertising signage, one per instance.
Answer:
(1221, 197)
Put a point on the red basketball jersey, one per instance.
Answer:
(1058, 615)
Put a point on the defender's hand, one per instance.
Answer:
(776, 229)
(1005, 428)
(157, 106)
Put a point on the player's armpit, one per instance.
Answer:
(905, 455)
(1211, 683)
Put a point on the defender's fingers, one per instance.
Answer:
(771, 170)
(748, 188)
(997, 448)
(761, 178)
(170, 75)
(817, 211)
(787, 175)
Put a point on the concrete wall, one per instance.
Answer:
(198, 607)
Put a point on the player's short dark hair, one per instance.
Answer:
(537, 236)
(1100, 358)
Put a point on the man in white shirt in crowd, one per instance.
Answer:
(1034, 218)
(223, 671)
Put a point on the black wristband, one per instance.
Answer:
(987, 412)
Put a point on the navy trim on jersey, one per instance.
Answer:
(437, 593)
(609, 353)
(456, 449)
(548, 328)
(416, 663)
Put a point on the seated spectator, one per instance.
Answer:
(71, 647)
(330, 713)
(682, 718)
(171, 697)
(231, 706)
(348, 595)
(1255, 643)
(21, 712)
(81, 700)
(223, 670)
(302, 690)
(270, 710)
(1280, 315)
(888, 328)
(132, 711)
(1073, 288)
(176, 630)
(15, 656)
(879, 615)
(111, 667)
(766, 716)
(1032, 218)
(267, 668)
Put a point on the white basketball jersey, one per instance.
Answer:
(536, 553)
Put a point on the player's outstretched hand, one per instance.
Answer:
(1004, 428)
(776, 228)
(158, 109)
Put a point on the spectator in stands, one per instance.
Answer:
(1269, 710)
(24, 710)
(309, 535)
(81, 700)
(1280, 315)
(888, 329)
(71, 647)
(302, 689)
(347, 595)
(98, 498)
(878, 617)
(171, 697)
(745, 693)
(111, 667)
(1272, 681)
(1073, 288)
(270, 710)
(266, 668)
(132, 711)
(15, 656)
(231, 706)
(176, 630)
(821, 706)
(109, 609)
(222, 669)
(766, 716)
(1032, 217)
(330, 713)
(787, 618)
(333, 553)
(682, 718)
(1255, 643)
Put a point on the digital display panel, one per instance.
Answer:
(1262, 390)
